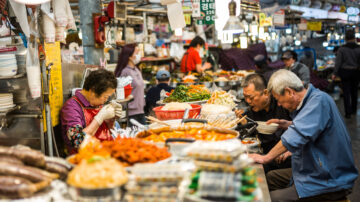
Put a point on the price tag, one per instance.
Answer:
(196, 8)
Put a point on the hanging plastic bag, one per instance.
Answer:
(177, 51)
(33, 70)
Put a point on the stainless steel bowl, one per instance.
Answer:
(233, 83)
(90, 195)
(221, 83)
(207, 84)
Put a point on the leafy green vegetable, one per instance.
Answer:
(188, 94)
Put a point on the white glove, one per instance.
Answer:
(107, 112)
(118, 108)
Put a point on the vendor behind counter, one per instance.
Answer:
(85, 113)
(191, 61)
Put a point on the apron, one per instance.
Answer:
(103, 132)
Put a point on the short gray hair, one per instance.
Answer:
(256, 79)
(282, 79)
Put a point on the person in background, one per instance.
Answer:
(126, 66)
(301, 70)
(262, 66)
(347, 67)
(153, 95)
(264, 107)
(323, 166)
(308, 58)
(191, 61)
(85, 113)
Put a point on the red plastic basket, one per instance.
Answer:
(127, 90)
(175, 114)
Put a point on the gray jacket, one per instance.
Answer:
(348, 57)
(302, 71)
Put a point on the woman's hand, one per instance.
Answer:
(107, 112)
(283, 124)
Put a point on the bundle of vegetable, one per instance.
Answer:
(206, 78)
(222, 98)
(188, 94)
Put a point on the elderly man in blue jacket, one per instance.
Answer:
(322, 160)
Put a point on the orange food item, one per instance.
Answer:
(87, 152)
(131, 151)
(128, 150)
(197, 134)
(189, 81)
(247, 142)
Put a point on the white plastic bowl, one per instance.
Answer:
(8, 71)
(267, 129)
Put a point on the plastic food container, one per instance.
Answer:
(175, 114)
(127, 90)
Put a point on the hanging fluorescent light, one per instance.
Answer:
(243, 41)
(178, 32)
(325, 44)
(254, 28)
(261, 33)
(31, 2)
(245, 24)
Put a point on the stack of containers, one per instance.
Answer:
(223, 172)
(21, 60)
(8, 65)
(6, 101)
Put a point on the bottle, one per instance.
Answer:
(336, 95)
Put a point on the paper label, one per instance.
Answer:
(120, 93)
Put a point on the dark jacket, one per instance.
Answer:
(348, 57)
(302, 71)
(275, 112)
(153, 95)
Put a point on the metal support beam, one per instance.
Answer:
(92, 55)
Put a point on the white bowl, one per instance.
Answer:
(267, 129)
(8, 71)
(8, 63)
(2, 56)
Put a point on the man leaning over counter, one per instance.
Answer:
(322, 160)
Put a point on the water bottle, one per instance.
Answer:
(336, 95)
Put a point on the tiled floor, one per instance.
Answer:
(353, 126)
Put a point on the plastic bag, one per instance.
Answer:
(177, 51)
(33, 70)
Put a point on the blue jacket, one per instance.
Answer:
(322, 159)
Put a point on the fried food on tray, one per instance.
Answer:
(198, 134)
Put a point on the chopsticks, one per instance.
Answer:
(153, 119)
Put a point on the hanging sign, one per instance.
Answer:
(264, 21)
(314, 26)
(279, 18)
(303, 25)
(187, 19)
(52, 51)
(207, 12)
(196, 9)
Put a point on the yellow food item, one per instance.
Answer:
(97, 173)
